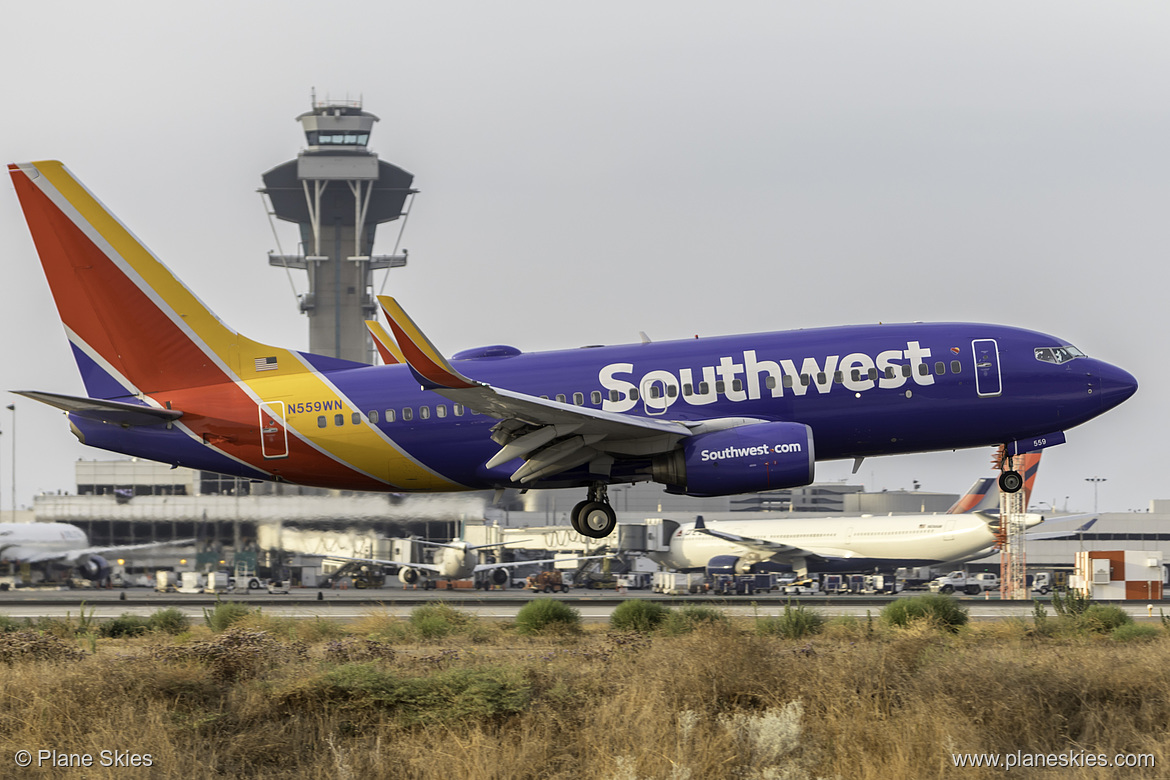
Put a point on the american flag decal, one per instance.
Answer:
(266, 364)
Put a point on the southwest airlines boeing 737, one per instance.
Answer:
(167, 380)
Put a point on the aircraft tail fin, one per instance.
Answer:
(133, 326)
(385, 344)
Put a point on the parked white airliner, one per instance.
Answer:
(63, 544)
(863, 543)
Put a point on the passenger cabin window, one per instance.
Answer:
(595, 397)
(770, 382)
(720, 387)
(1058, 355)
(923, 369)
(441, 410)
(389, 415)
(339, 420)
(940, 368)
(373, 415)
(424, 413)
(614, 395)
(956, 367)
(407, 414)
(560, 398)
(357, 418)
(458, 409)
(321, 421)
(579, 399)
(906, 370)
(704, 388)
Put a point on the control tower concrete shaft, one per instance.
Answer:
(338, 192)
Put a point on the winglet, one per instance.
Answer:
(385, 345)
(427, 363)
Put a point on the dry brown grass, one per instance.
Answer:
(858, 701)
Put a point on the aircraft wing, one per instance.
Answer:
(72, 556)
(752, 543)
(113, 412)
(773, 549)
(384, 562)
(551, 437)
(1060, 533)
(514, 564)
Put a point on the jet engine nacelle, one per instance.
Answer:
(733, 564)
(409, 576)
(95, 568)
(727, 564)
(745, 459)
(499, 576)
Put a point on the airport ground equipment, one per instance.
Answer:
(961, 582)
(677, 583)
(546, 582)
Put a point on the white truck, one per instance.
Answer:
(961, 582)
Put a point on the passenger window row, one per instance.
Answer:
(405, 414)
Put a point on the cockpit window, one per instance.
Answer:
(1058, 355)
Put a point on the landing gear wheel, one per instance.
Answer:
(595, 520)
(575, 517)
(1011, 482)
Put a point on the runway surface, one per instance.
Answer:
(595, 606)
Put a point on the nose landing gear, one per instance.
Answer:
(594, 517)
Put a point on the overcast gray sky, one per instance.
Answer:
(591, 170)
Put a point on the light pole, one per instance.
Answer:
(12, 408)
(1096, 481)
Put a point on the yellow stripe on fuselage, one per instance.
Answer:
(361, 446)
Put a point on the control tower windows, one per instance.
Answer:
(336, 138)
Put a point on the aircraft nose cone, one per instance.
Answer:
(1117, 385)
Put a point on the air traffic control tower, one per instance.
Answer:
(338, 192)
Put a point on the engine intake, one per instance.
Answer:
(746, 459)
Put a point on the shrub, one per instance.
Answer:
(169, 621)
(28, 645)
(8, 624)
(352, 649)
(236, 654)
(1102, 618)
(934, 608)
(1136, 632)
(224, 614)
(687, 618)
(638, 615)
(445, 696)
(125, 625)
(796, 622)
(541, 615)
(435, 621)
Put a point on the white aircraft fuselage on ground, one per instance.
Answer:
(860, 543)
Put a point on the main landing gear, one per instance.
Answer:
(1010, 481)
(594, 517)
